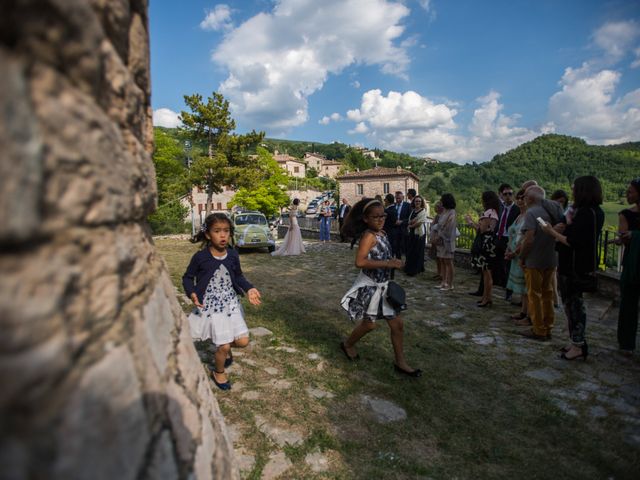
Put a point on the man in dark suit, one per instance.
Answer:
(508, 213)
(399, 236)
(342, 214)
(390, 211)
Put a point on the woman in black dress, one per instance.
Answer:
(628, 223)
(483, 252)
(416, 240)
(577, 244)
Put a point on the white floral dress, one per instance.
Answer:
(221, 319)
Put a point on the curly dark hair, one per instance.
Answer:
(587, 191)
(354, 224)
(490, 201)
(448, 201)
(211, 219)
(561, 194)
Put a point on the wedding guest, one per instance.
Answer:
(434, 239)
(539, 260)
(516, 282)
(325, 222)
(484, 249)
(399, 234)
(342, 214)
(629, 236)
(447, 228)
(417, 237)
(577, 244)
(509, 211)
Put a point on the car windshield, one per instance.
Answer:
(250, 220)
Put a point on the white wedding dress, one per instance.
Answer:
(292, 244)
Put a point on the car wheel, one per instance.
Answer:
(272, 248)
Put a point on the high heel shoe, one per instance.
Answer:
(583, 353)
(486, 304)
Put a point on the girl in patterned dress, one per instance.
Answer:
(366, 301)
(213, 281)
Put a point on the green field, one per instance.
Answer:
(611, 210)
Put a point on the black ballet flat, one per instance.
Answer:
(221, 385)
(349, 357)
(415, 373)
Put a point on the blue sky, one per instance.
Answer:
(457, 80)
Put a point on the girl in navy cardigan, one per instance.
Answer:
(213, 281)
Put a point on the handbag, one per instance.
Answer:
(396, 296)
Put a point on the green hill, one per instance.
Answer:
(554, 161)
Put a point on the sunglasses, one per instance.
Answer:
(507, 193)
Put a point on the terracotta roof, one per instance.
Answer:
(282, 158)
(331, 162)
(317, 155)
(379, 172)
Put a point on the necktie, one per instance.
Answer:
(503, 221)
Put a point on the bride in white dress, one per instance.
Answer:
(292, 244)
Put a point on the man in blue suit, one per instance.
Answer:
(400, 231)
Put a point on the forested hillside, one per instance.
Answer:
(553, 160)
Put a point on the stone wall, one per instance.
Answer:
(99, 375)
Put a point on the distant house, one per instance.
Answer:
(292, 165)
(429, 160)
(377, 181)
(322, 165)
(220, 202)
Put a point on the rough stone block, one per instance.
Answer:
(103, 433)
(21, 159)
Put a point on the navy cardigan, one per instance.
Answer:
(202, 267)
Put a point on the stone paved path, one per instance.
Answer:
(605, 387)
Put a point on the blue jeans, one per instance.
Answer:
(325, 228)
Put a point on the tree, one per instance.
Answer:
(438, 185)
(269, 194)
(170, 174)
(227, 161)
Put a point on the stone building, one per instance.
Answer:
(376, 181)
(322, 165)
(100, 378)
(292, 165)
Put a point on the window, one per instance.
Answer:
(359, 188)
(296, 169)
(385, 187)
(219, 206)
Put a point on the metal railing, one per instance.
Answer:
(609, 254)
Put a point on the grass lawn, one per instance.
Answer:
(611, 210)
(474, 413)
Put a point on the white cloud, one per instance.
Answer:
(361, 127)
(355, 84)
(164, 117)
(409, 122)
(587, 107)
(217, 19)
(334, 117)
(277, 60)
(617, 38)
